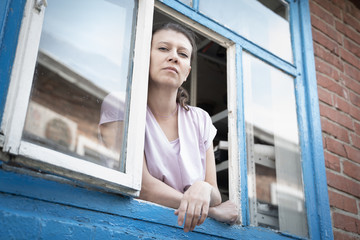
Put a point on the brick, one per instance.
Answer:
(330, 85)
(342, 202)
(325, 28)
(325, 96)
(351, 83)
(340, 3)
(326, 69)
(355, 112)
(343, 236)
(353, 10)
(335, 130)
(352, 72)
(332, 161)
(341, 104)
(330, 7)
(343, 184)
(321, 13)
(353, 22)
(328, 57)
(352, 170)
(348, 31)
(325, 41)
(346, 223)
(352, 153)
(355, 139)
(352, 47)
(350, 58)
(336, 116)
(335, 146)
(357, 128)
(355, 99)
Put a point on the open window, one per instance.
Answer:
(209, 84)
(71, 59)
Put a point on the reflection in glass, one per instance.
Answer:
(84, 54)
(276, 192)
(187, 2)
(265, 22)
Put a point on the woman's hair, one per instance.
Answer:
(182, 95)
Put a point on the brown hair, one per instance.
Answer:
(182, 95)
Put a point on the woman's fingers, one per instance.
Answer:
(181, 211)
(189, 217)
(204, 214)
(196, 217)
(194, 206)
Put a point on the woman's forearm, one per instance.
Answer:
(210, 177)
(154, 190)
(160, 193)
(226, 212)
(215, 197)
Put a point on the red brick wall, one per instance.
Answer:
(336, 38)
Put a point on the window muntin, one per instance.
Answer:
(275, 183)
(265, 22)
(83, 55)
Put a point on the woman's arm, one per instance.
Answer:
(210, 177)
(154, 190)
(111, 134)
(200, 196)
(226, 212)
(196, 202)
(194, 199)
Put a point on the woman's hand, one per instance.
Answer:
(226, 212)
(195, 205)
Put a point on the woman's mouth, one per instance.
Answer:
(171, 69)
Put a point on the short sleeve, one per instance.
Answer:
(210, 132)
(113, 108)
(207, 129)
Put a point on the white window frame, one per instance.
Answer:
(39, 157)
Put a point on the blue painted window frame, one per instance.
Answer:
(11, 13)
(303, 69)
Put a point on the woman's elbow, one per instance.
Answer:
(145, 192)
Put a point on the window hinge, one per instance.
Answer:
(39, 4)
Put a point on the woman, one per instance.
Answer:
(179, 166)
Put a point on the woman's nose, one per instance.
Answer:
(173, 57)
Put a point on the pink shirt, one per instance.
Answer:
(182, 162)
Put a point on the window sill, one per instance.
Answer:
(67, 194)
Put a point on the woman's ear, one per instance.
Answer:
(187, 73)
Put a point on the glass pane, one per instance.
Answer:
(84, 55)
(274, 160)
(187, 2)
(265, 22)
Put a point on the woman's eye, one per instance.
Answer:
(184, 55)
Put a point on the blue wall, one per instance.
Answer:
(33, 207)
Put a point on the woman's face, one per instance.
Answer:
(170, 58)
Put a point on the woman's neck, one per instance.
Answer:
(162, 102)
